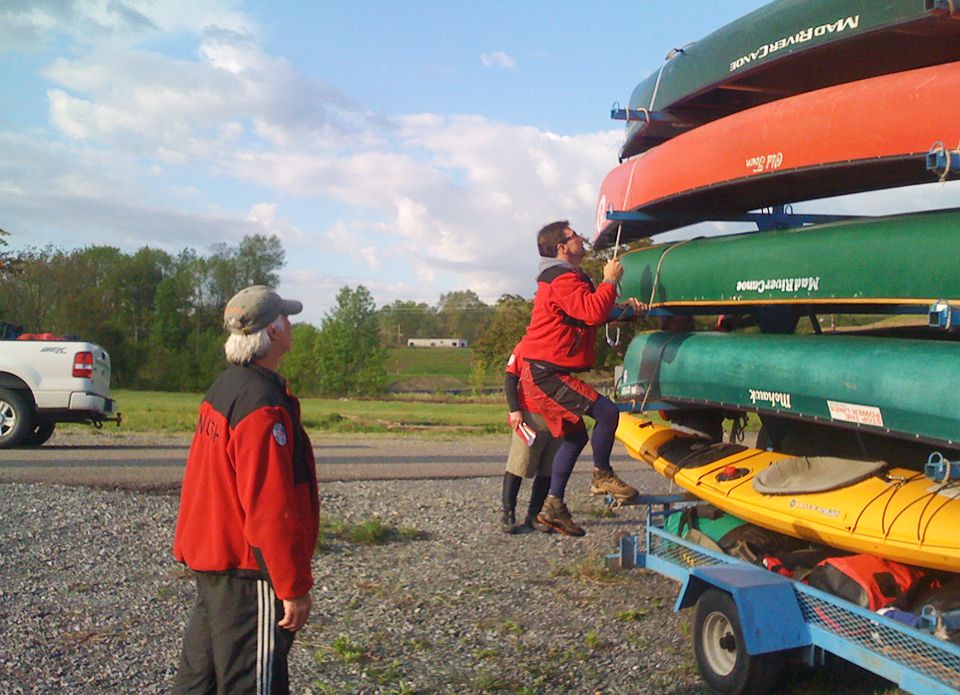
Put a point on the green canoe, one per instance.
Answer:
(785, 48)
(898, 263)
(888, 386)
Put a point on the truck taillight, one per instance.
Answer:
(83, 365)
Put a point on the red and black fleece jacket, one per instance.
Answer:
(566, 311)
(249, 503)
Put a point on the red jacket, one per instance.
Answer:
(566, 311)
(249, 500)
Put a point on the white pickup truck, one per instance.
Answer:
(43, 382)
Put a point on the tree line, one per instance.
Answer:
(160, 315)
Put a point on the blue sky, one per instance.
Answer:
(412, 147)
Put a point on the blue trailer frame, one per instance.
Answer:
(778, 614)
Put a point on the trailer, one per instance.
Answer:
(748, 619)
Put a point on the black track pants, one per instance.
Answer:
(232, 643)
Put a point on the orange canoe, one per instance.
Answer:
(854, 137)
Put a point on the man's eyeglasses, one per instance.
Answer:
(573, 236)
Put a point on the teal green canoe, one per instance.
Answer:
(889, 264)
(887, 386)
(784, 48)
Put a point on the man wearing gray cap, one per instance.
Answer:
(249, 511)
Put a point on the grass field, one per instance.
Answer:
(412, 362)
(157, 411)
(430, 369)
(176, 413)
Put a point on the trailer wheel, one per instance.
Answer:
(42, 431)
(16, 417)
(719, 648)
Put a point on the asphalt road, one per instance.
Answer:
(155, 462)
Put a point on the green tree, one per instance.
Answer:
(9, 264)
(256, 260)
(511, 314)
(462, 314)
(349, 357)
(34, 288)
(406, 319)
(299, 366)
(7, 259)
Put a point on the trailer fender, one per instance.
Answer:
(767, 605)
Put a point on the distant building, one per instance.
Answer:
(437, 342)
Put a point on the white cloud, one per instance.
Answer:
(188, 152)
(26, 24)
(498, 59)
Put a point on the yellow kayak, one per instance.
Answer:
(894, 513)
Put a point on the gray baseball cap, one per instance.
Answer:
(256, 307)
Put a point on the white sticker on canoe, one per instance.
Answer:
(859, 414)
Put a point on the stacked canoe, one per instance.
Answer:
(801, 101)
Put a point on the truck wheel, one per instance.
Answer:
(16, 417)
(719, 648)
(42, 431)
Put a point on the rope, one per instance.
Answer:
(672, 54)
(623, 206)
(656, 87)
(606, 328)
(656, 277)
(738, 428)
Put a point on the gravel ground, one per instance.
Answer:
(91, 600)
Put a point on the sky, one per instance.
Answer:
(412, 147)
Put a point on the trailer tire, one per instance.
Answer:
(16, 417)
(719, 648)
(42, 431)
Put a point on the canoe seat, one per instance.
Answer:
(693, 452)
(808, 474)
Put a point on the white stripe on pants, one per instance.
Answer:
(266, 624)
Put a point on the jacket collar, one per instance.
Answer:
(546, 263)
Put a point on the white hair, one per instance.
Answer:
(244, 349)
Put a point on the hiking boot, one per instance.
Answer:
(531, 523)
(606, 482)
(508, 522)
(556, 515)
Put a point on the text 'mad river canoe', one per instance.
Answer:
(856, 266)
(859, 136)
(786, 48)
(905, 388)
